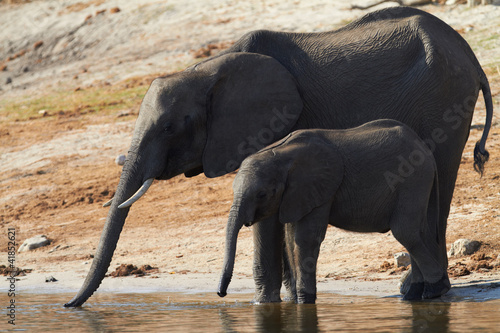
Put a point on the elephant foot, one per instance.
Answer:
(436, 289)
(264, 301)
(290, 298)
(306, 299)
(291, 292)
(415, 292)
(271, 297)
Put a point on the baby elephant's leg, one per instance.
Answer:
(268, 257)
(309, 233)
(289, 272)
(412, 231)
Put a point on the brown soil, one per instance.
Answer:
(13, 272)
(126, 270)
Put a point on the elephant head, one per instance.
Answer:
(288, 179)
(207, 118)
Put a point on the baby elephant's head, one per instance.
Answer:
(258, 187)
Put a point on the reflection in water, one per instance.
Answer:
(430, 316)
(275, 317)
(207, 313)
(286, 317)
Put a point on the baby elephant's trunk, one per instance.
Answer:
(233, 227)
(223, 284)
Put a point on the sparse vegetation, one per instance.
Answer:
(103, 100)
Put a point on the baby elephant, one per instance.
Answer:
(373, 178)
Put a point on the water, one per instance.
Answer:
(172, 312)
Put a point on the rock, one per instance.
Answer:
(120, 159)
(402, 259)
(50, 279)
(463, 247)
(55, 248)
(34, 243)
(114, 10)
(8, 81)
(38, 44)
(43, 113)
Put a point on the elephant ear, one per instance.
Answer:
(253, 102)
(315, 173)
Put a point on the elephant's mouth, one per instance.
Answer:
(167, 174)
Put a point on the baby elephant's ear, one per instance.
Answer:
(313, 179)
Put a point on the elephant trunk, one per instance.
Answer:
(234, 225)
(129, 184)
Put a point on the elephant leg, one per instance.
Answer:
(289, 274)
(447, 187)
(415, 287)
(309, 233)
(448, 155)
(448, 150)
(424, 252)
(268, 257)
(442, 212)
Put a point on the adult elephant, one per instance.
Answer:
(398, 63)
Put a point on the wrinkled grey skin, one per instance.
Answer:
(374, 178)
(398, 63)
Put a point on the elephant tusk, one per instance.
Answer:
(137, 194)
(108, 203)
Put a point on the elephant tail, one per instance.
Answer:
(481, 155)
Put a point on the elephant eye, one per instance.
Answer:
(168, 128)
(261, 195)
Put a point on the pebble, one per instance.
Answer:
(55, 248)
(50, 279)
(120, 159)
